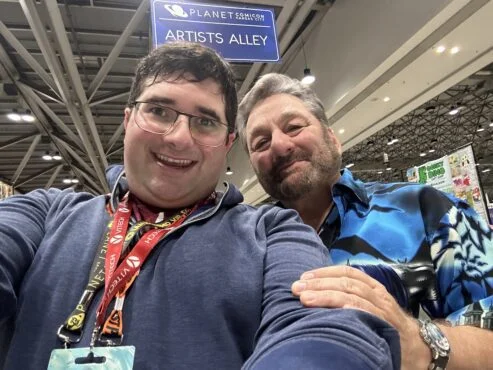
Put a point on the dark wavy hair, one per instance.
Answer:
(193, 62)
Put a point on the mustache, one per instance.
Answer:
(280, 163)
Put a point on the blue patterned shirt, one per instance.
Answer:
(438, 246)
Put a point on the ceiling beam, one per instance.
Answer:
(114, 138)
(109, 96)
(28, 58)
(16, 140)
(73, 74)
(26, 159)
(29, 8)
(113, 56)
(36, 175)
(53, 176)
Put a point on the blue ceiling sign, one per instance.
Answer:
(238, 34)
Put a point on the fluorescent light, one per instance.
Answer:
(349, 165)
(422, 154)
(431, 150)
(440, 49)
(28, 118)
(480, 129)
(486, 170)
(454, 50)
(454, 111)
(386, 99)
(341, 130)
(14, 117)
(67, 181)
(389, 168)
(380, 172)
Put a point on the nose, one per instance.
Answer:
(179, 136)
(281, 144)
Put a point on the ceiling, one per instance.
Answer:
(70, 63)
(430, 132)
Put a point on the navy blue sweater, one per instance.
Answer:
(214, 294)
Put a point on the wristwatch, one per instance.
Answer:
(438, 343)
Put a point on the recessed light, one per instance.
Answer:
(341, 131)
(386, 99)
(440, 49)
(422, 154)
(454, 50)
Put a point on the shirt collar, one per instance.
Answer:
(352, 185)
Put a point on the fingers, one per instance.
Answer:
(341, 284)
(341, 270)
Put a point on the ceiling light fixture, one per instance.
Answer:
(14, 116)
(491, 124)
(229, 171)
(380, 172)
(308, 78)
(486, 170)
(422, 154)
(47, 156)
(28, 117)
(349, 165)
(454, 111)
(440, 49)
(386, 99)
(341, 131)
(480, 129)
(454, 50)
(431, 150)
(57, 156)
(389, 168)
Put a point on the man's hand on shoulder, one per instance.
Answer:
(347, 287)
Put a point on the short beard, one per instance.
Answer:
(320, 172)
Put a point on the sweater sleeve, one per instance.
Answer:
(294, 337)
(22, 220)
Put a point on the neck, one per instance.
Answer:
(314, 206)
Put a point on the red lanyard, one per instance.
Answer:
(117, 276)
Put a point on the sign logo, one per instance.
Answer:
(116, 239)
(176, 10)
(124, 210)
(237, 33)
(133, 261)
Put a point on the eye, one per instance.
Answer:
(294, 128)
(156, 110)
(206, 122)
(260, 144)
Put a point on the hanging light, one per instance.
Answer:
(14, 116)
(47, 156)
(308, 78)
(28, 117)
(229, 171)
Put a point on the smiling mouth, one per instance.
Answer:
(173, 162)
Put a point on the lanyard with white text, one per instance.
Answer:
(116, 241)
(120, 280)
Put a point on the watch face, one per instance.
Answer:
(437, 338)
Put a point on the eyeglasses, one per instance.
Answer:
(160, 120)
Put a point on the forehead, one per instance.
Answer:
(276, 110)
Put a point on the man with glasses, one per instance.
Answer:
(165, 272)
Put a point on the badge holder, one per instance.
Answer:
(120, 357)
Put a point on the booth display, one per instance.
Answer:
(456, 174)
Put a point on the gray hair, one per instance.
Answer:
(273, 84)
